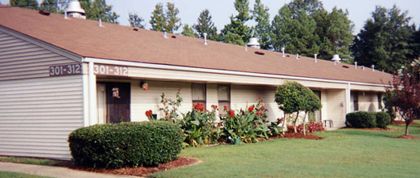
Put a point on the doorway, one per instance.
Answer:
(114, 102)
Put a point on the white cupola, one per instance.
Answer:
(75, 10)
(253, 43)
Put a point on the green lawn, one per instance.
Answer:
(17, 175)
(343, 153)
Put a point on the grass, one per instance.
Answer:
(343, 153)
(36, 161)
(17, 175)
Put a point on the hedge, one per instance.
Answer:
(361, 120)
(126, 144)
(383, 119)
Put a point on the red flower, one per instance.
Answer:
(225, 108)
(232, 113)
(199, 107)
(251, 108)
(149, 113)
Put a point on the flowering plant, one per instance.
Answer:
(199, 107)
(149, 114)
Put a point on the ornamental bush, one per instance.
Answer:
(247, 125)
(199, 126)
(361, 119)
(126, 144)
(383, 119)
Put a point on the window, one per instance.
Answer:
(355, 98)
(198, 93)
(223, 94)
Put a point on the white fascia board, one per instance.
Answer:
(216, 71)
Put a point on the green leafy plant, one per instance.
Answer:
(293, 97)
(199, 126)
(126, 144)
(247, 125)
(361, 119)
(382, 119)
(169, 107)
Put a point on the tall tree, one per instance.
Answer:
(50, 6)
(237, 32)
(158, 19)
(188, 31)
(206, 25)
(405, 93)
(135, 20)
(263, 29)
(294, 29)
(98, 9)
(173, 22)
(384, 40)
(415, 44)
(334, 30)
(30, 4)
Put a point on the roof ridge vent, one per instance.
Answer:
(316, 58)
(355, 65)
(165, 35)
(336, 58)
(373, 67)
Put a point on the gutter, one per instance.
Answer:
(216, 71)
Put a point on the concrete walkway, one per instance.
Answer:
(50, 171)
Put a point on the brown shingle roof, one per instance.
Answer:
(87, 39)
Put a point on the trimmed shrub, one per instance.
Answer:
(126, 144)
(361, 120)
(383, 119)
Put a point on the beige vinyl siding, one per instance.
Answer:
(37, 112)
(36, 116)
(22, 59)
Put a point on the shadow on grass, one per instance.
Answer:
(368, 133)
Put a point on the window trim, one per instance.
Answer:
(205, 94)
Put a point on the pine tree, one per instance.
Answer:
(188, 31)
(237, 32)
(158, 19)
(50, 6)
(173, 22)
(98, 9)
(30, 4)
(384, 40)
(262, 29)
(334, 30)
(135, 20)
(295, 30)
(415, 44)
(206, 25)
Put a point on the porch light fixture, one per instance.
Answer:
(144, 85)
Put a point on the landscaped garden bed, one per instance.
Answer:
(144, 171)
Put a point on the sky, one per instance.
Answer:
(221, 10)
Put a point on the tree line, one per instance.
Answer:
(388, 39)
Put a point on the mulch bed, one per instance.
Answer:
(144, 171)
(299, 136)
